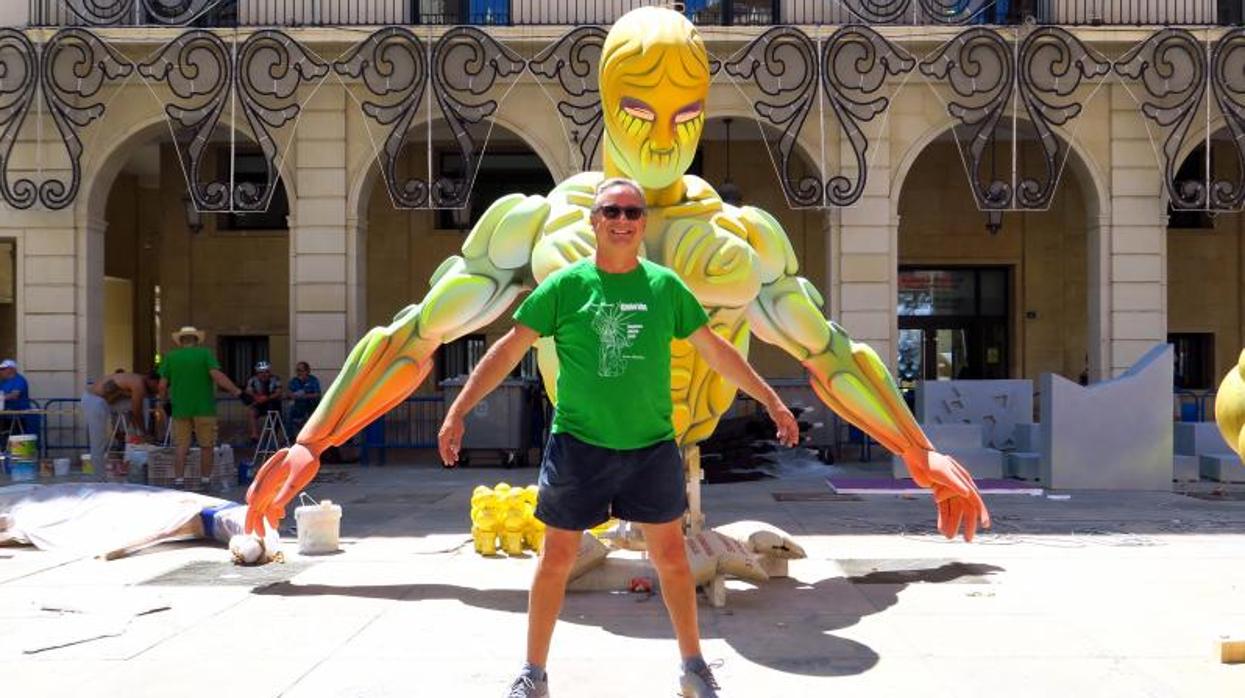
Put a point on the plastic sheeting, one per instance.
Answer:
(94, 519)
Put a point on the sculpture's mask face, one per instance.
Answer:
(654, 76)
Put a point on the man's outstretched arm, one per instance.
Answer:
(498, 362)
(727, 361)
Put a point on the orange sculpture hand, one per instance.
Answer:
(283, 476)
(955, 493)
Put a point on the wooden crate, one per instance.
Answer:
(160, 467)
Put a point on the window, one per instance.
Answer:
(238, 354)
(1195, 360)
(500, 173)
(250, 167)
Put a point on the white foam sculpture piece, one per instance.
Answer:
(1113, 435)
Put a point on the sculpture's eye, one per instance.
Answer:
(688, 113)
(634, 107)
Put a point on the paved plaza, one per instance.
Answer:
(1100, 594)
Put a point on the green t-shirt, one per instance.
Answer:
(191, 389)
(613, 333)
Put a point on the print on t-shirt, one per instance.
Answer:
(612, 323)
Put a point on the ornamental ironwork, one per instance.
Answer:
(262, 75)
(67, 73)
(1033, 79)
(397, 69)
(573, 61)
(1182, 81)
(100, 13)
(950, 12)
(791, 69)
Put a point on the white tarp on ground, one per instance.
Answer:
(95, 518)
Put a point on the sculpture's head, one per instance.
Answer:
(654, 79)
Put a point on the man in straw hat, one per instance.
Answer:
(190, 375)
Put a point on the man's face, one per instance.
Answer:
(618, 218)
(264, 374)
(7, 373)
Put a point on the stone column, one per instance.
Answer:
(319, 258)
(1131, 266)
(864, 254)
(60, 302)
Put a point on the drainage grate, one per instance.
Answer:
(813, 497)
(202, 573)
(910, 571)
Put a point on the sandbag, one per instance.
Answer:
(764, 539)
(728, 556)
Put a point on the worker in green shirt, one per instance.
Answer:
(190, 375)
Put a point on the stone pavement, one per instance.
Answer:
(1097, 595)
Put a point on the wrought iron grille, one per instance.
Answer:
(295, 13)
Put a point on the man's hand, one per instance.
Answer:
(955, 493)
(788, 429)
(450, 439)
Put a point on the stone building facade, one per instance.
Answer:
(1089, 280)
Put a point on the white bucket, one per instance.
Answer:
(60, 467)
(24, 446)
(319, 526)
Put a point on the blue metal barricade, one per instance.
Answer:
(412, 424)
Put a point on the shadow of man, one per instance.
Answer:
(784, 624)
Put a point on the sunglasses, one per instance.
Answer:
(633, 213)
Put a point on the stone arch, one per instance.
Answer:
(365, 172)
(106, 161)
(1075, 226)
(1083, 165)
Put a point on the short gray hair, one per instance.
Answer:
(611, 182)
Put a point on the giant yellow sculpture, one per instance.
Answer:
(654, 80)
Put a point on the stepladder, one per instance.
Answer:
(272, 438)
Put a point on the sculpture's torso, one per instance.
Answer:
(707, 244)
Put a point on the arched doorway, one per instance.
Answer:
(1205, 273)
(403, 247)
(988, 296)
(165, 264)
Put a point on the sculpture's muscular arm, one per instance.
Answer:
(849, 376)
(468, 292)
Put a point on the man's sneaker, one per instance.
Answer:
(527, 687)
(699, 683)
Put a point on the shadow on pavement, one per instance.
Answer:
(784, 624)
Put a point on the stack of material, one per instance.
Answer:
(737, 449)
(160, 467)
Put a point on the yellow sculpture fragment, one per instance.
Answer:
(654, 80)
(1230, 407)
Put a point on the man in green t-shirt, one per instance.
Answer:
(612, 317)
(190, 375)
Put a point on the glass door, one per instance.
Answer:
(953, 324)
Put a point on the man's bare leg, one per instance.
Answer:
(179, 455)
(678, 589)
(544, 602)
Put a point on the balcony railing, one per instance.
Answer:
(328, 13)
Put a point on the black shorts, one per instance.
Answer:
(582, 485)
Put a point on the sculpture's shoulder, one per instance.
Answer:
(762, 232)
(571, 200)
